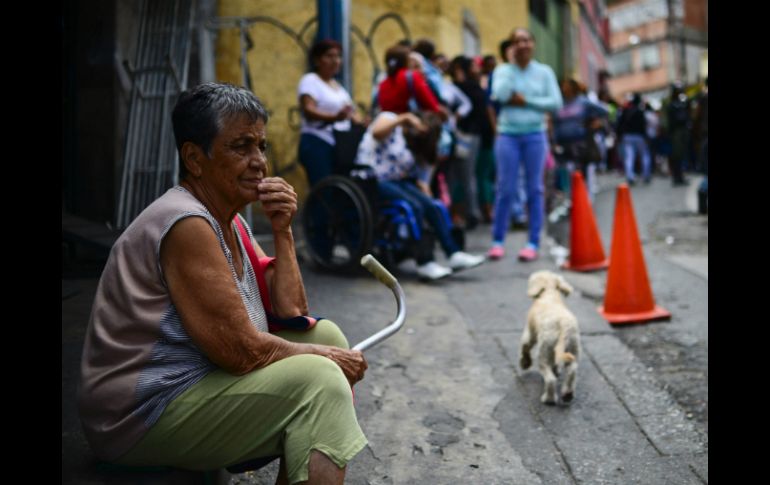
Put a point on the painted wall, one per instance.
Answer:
(696, 14)
(648, 20)
(549, 38)
(592, 57)
(278, 59)
(276, 63)
(656, 29)
(643, 80)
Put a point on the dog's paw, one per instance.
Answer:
(525, 361)
(545, 399)
(567, 396)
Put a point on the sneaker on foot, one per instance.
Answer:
(462, 260)
(496, 252)
(432, 271)
(528, 254)
(340, 252)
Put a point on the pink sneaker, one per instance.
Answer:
(496, 252)
(527, 254)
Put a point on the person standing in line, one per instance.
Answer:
(519, 198)
(632, 131)
(427, 49)
(678, 117)
(395, 91)
(701, 127)
(465, 205)
(701, 134)
(653, 126)
(572, 131)
(611, 157)
(527, 90)
(458, 106)
(325, 106)
(485, 162)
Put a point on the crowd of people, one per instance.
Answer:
(510, 135)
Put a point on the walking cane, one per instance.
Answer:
(384, 276)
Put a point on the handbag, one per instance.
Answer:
(274, 323)
(592, 152)
(346, 147)
(463, 142)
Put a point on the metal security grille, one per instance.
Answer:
(159, 74)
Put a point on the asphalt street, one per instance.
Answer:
(444, 401)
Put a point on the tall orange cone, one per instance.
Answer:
(628, 298)
(585, 252)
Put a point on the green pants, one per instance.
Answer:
(485, 175)
(289, 408)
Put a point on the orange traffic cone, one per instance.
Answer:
(628, 298)
(585, 252)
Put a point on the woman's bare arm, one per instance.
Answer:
(384, 125)
(311, 111)
(201, 285)
(202, 289)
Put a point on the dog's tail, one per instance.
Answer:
(561, 356)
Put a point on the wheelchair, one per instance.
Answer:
(344, 219)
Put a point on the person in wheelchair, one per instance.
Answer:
(401, 149)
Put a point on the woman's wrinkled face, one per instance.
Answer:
(328, 64)
(238, 161)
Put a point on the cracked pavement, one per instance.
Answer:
(444, 401)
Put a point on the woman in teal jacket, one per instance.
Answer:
(526, 90)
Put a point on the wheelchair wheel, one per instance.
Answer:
(338, 224)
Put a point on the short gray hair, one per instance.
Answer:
(200, 114)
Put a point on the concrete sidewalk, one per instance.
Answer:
(467, 414)
(444, 401)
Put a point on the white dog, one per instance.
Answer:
(556, 328)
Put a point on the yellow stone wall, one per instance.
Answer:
(277, 61)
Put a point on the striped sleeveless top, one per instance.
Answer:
(137, 356)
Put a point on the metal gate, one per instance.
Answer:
(159, 75)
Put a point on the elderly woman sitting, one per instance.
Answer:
(178, 366)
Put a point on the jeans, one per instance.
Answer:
(316, 156)
(423, 208)
(485, 175)
(511, 151)
(633, 144)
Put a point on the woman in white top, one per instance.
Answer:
(325, 106)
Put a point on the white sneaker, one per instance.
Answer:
(340, 252)
(462, 260)
(433, 271)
